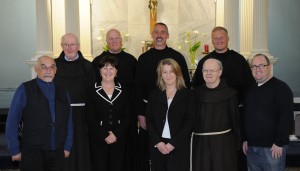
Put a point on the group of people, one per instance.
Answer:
(117, 113)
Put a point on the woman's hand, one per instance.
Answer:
(111, 138)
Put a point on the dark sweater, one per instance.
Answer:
(268, 114)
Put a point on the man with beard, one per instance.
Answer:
(145, 81)
(43, 107)
(126, 71)
(74, 72)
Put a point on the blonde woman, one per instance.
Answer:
(169, 119)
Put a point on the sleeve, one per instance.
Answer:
(234, 116)
(247, 78)
(285, 102)
(154, 138)
(197, 79)
(69, 140)
(185, 71)
(94, 130)
(139, 88)
(121, 130)
(186, 129)
(13, 120)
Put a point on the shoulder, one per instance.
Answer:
(280, 84)
(86, 63)
(154, 93)
(185, 91)
(236, 55)
(97, 58)
(175, 52)
(129, 56)
(29, 83)
(145, 55)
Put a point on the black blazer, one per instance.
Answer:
(180, 117)
(105, 114)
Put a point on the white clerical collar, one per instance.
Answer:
(67, 59)
(260, 84)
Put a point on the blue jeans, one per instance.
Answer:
(260, 159)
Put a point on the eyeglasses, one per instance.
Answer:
(65, 45)
(260, 66)
(111, 39)
(209, 71)
(45, 68)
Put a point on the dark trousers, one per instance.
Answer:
(42, 160)
(107, 157)
(130, 159)
(143, 151)
(242, 162)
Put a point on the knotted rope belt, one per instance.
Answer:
(203, 134)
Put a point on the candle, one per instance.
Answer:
(206, 48)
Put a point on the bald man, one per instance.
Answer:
(44, 110)
(216, 127)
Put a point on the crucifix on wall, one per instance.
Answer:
(153, 11)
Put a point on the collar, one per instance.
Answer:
(103, 95)
(260, 84)
(67, 59)
(40, 81)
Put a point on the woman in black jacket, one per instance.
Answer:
(108, 118)
(169, 120)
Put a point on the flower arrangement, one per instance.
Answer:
(102, 37)
(193, 43)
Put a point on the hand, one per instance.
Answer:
(67, 153)
(161, 146)
(276, 151)
(111, 138)
(16, 157)
(142, 121)
(245, 147)
(169, 147)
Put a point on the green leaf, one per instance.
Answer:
(195, 47)
(105, 48)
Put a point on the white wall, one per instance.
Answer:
(17, 44)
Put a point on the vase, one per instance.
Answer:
(193, 56)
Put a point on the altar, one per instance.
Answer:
(88, 19)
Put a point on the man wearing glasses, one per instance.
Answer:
(268, 118)
(216, 124)
(74, 72)
(44, 110)
(236, 72)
